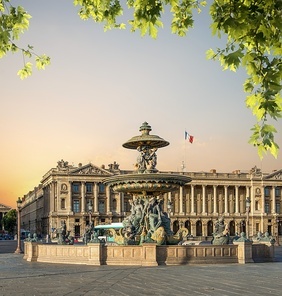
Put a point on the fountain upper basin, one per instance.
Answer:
(147, 183)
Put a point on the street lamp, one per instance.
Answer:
(277, 222)
(248, 205)
(90, 212)
(19, 206)
(169, 207)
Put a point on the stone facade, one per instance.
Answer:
(76, 195)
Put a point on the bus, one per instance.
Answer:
(103, 232)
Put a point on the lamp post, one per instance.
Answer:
(169, 208)
(277, 222)
(19, 206)
(248, 205)
(90, 212)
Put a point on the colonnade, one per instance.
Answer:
(222, 199)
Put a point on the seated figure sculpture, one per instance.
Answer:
(149, 223)
(221, 233)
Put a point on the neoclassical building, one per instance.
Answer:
(76, 195)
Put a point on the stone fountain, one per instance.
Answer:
(148, 222)
(146, 238)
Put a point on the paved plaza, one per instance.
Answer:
(18, 277)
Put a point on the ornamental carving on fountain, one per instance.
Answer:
(148, 222)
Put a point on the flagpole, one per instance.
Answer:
(183, 165)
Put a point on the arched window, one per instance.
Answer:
(243, 226)
(199, 228)
(175, 226)
(188, 226)
(210, 228)
(232, 228)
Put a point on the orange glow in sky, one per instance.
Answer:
(100, 88)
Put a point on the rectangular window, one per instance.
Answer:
(267, 207)
(89, 187)
(76, 206)
(277, 207)
(75, 188)
(63, 203)
(101, 206)
(277, 191)
(266, 191)
(101, 188)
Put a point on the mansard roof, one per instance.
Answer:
(276, 175)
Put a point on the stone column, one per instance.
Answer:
(108, 197)
(181, 200)
(82, 197)
(95, 198)
(118, 203)
(214, 199)
(247, 191)
(236, 199)
(192, 200)
(56, 195)
(69, 199)
(122, 202)
(52, 201)
(187, 204)
(204, 211)
(225, 199)
(262, 202)
(273, 206)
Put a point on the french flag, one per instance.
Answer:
(189, 137)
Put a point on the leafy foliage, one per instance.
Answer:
(13, 22)
(254, 41)
(252, 29)
(10, 221)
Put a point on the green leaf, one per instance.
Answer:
(210, 54)
(25, 71)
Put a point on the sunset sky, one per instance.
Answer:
(100, 88)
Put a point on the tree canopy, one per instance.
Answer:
(10, 221)
(253, 41)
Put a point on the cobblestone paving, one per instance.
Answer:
(18, 277)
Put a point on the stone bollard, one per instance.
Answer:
(149, 254)
(245, 254)
(95, 253)
(30, 251)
